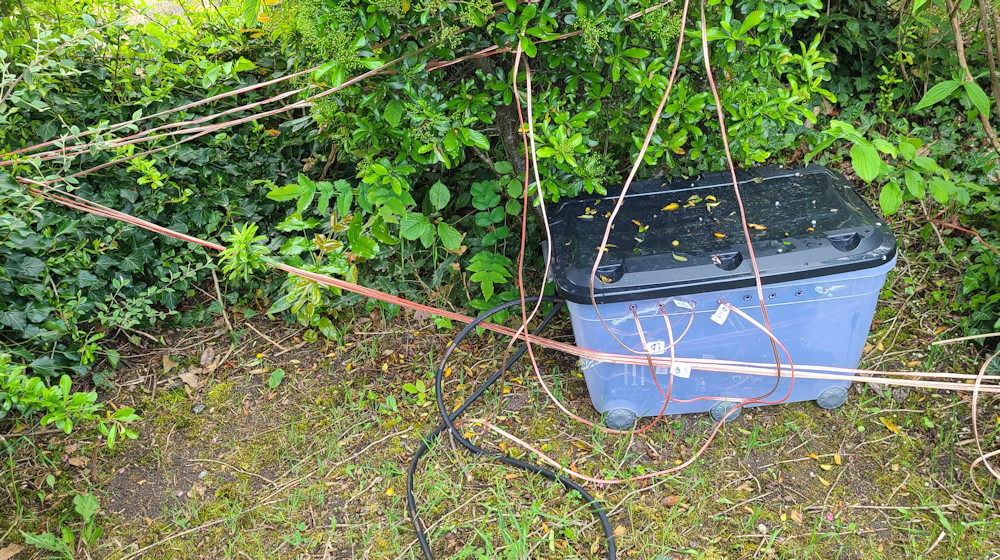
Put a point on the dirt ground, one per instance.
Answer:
(236, 459)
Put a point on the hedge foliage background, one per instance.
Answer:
(411, 180)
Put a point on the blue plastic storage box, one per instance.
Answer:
(823, 256)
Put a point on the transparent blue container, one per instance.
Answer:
(823, 256)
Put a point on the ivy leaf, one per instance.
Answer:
(414, 226)
(866, 161)
(938, 93)
(439, 195)
(451, 238)
(14, 319)
(890, 198)
(978, 97)
(393, 113)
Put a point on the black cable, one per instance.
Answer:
(448, 423)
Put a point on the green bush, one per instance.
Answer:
(70, 281)
(427, 166)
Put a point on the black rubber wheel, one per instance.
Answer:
(832, 398)
(619, 419)
(721, 408)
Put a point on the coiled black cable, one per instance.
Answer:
(448, 423)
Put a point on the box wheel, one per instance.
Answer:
(718, 412)
(619, 419)
(832, 398)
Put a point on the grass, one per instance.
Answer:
(315, 467)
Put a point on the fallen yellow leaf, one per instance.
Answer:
(814, 456)
(796, 517)
(821, 479)
(836, 458)
(826, 467)
(889, 424)
(672, 206)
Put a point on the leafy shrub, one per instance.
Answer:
(69, 281)
(426, 166)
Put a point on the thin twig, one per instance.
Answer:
(222, 304)
(267, 338)
(237, 469)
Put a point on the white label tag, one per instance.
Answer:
(681, 370)
(656, 347)
(681, 303)
(720, 314)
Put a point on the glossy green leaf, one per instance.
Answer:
(938, 93)
(866, 161)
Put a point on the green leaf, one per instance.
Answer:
(326, 190)
(529, 49)
(450, 237)
(288, 192)
(393, 113)
(907, 151)
(242, 65)
(478, 139)
(48, 541)
(15, 319)
(938, 93)
(884, 147)
(635, 52)
(890, 198)
(866, 161)
(503, 167)
(86, 506)
(978, 97)
(276, 377)
(753, 20)
(915, 183)
(250, 9)
(940, 189)
(414, 226)
(89, 20)
(326, 328)
(439, 195)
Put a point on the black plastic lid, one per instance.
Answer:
(685, 237)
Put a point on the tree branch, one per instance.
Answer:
(956, 27)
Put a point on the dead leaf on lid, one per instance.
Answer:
(190, 378)
(168, 364)
(10, 551)
(207, 355)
